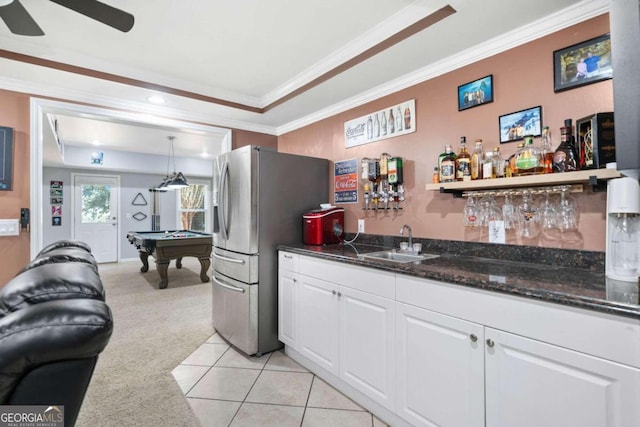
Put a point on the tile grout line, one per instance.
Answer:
(250, 388)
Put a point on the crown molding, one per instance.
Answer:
(79, 96)
(399, 21)
(562, 19)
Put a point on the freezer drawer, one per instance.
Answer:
(235, 312)
(238, 266)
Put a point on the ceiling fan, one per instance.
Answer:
(21, 23)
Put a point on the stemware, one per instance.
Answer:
(548, 215)
(527, 218)
(567, 216)
(509, 212)
(471, 212)
(488, 210)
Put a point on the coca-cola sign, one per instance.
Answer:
(389, 122)
(345, 181)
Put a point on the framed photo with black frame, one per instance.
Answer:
(6, 158)
(475, 93)
(514, 126)
(582, 64)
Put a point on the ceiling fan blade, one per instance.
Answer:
(19, 21)
(116, 18)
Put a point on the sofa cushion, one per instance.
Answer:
(62, 255)
(49, 332)
(65, 244)
(51, 282)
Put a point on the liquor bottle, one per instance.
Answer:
(463, 162)
(398, 119)
(395, 172)
(436, 175)
(364, 176)
(512, 170)
(440, 157)
(383, 123)
(374, 178)
(392, 122)
(448, 165)
(546, 151)
(565, 158)
(407, 118)
(528, 159)
(376, 127)
(384, 166)
(477, 158)
(487, 165)
(498, 163)
(369, 128)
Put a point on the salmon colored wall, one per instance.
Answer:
(240, 138)
(523, 78)
(14, 250)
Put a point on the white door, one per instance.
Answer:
(440, 368)
(319, 322)
(367, 344)
(96, 214)
(533, 384)
(287, 307)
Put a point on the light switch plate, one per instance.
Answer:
(496, 232)
(9, 227)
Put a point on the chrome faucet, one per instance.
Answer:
(410, 238)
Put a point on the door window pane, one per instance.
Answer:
(96, 206)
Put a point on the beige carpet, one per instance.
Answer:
(154, 330)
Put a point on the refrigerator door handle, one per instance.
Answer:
(230, 287)
(224, 199)
(224, 258)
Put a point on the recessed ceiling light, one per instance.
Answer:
(95, 142)
(155, 99)
(204, 154)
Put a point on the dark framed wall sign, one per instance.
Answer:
(6, 158)
(582, 64)
(475, 93)
(514, 126)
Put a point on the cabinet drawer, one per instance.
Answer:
(377, 282)
(288, 261)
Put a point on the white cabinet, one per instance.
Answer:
(367, 344)
(440, 369)
(533, 384)
(348, 332)
(318, 321)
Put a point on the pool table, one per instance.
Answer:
(172, 244)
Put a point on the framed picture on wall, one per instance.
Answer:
(514, 126)
(582, 64)
(6, 158)
(475, 93)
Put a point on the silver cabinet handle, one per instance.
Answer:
(295, 280)
(490, 343)
(288, 256)
(231, 288)
(473, 337)
(339, 294)
(333, 292)
(224, 258)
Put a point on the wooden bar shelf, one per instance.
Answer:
(592, 177)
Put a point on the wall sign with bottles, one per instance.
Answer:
(382, 180)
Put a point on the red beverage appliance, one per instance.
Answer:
(318, 226)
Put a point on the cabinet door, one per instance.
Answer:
(533, 384)
(367, 344)
(440, 369)
(318, 320)
(287, 307)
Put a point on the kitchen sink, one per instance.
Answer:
(395, 256)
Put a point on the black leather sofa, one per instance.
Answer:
(54, 323)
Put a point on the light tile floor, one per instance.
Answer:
(226, 388)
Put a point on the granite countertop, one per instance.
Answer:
(567, 285)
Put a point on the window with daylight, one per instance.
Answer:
(193, 207)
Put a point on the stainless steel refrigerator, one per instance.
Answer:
(260, 196)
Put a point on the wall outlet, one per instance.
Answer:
(361, 226)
